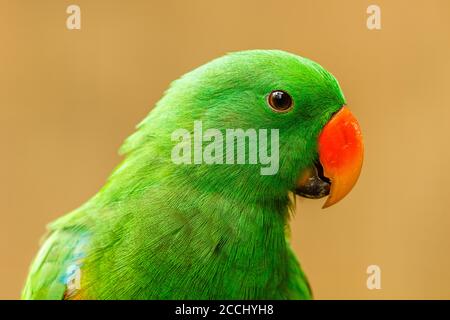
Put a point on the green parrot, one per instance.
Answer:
(181, 217)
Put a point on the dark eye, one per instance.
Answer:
(280, 101)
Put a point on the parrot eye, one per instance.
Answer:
(280, 101)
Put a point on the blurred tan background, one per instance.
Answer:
(69, 98)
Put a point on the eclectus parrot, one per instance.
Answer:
(164, 230)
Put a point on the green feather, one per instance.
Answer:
(158, 230)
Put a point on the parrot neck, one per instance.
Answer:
(227, 233)
(241, 240)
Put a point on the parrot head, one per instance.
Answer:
(319, 148)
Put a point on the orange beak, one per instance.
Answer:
(341, 153)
